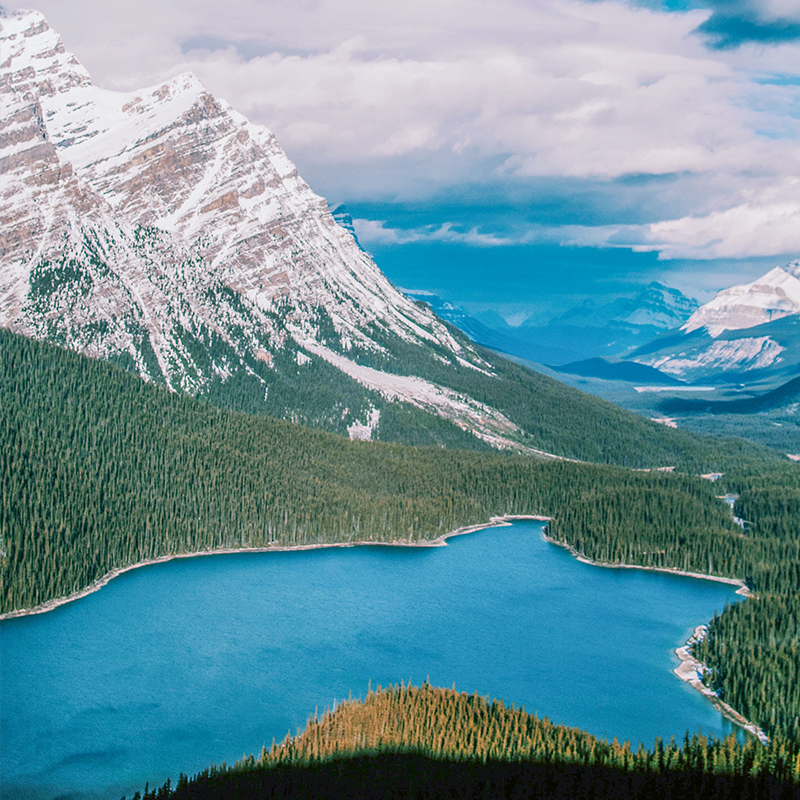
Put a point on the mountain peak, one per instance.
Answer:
(35, 62)
(772, 296)
(164, 230)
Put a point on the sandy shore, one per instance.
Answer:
(691, 670)
(439, 541)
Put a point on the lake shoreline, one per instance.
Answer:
(742, 590)
(690, 669)
(95, 586)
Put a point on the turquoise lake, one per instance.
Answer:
(178, 665)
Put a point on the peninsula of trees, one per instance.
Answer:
(423, 742)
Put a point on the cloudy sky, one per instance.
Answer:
(506, 153)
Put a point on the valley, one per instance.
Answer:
(732, 379)
(198, 357)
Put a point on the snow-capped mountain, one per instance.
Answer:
(163, 230)
(656, 307)
(772, 296)
(745, 330)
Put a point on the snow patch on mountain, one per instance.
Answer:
(482, 421)
(726, 356)
(772, 296)
(363, 430)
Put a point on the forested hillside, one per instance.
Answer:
(426, 742)
(553, 417)
(102, 470)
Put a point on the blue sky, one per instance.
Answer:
(508, 154)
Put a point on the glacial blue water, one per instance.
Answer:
(178, 665)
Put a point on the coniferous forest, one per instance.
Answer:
(101, 471)
(416, 742)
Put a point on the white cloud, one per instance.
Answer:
(767, 224)
(378, 232)
(552, 88)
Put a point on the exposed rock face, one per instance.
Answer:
(750, 328)
(163, 230)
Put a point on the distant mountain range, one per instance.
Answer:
(770, 297)
(746, 332)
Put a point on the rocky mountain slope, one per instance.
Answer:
(162, 230)
(745, 331)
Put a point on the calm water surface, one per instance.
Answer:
(179, 665)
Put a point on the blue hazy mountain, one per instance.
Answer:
(589, 330)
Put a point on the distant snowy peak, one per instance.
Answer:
(655, 306)
(750, 328)
(770, 297)
(660, 307)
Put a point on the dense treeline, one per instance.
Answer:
(753, 652)
(101, 470)
(753, 648)
(426, 742)
(769, 498)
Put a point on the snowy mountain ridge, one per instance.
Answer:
(744, 329)
(163, 230)
(772, 296)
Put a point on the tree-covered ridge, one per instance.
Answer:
(555, 417)
(411, 741)
(101, 471)
(753, 654)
